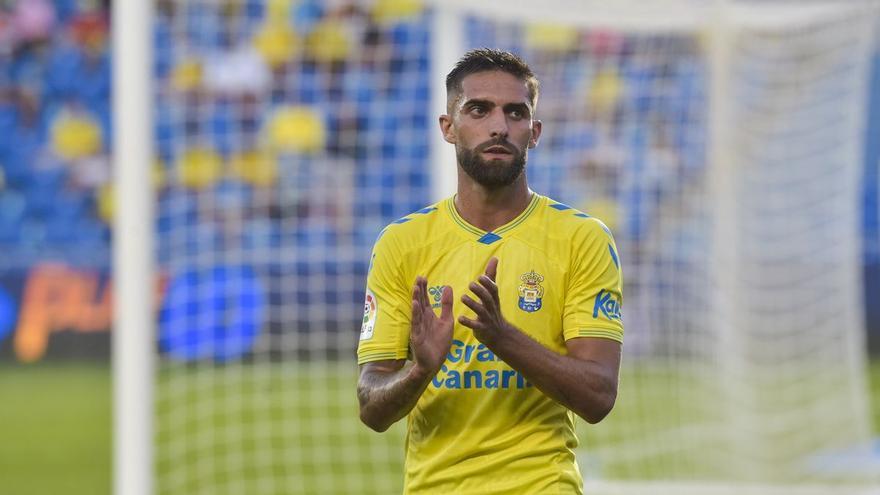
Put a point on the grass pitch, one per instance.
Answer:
(56, 423)
(55, 429)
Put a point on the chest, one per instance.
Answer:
(531, 286)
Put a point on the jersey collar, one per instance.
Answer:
(496, 235)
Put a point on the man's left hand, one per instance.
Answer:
(489, 323)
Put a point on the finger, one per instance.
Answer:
(472, 324)
(446, 303)
(476, 307)
(426, 305)
(492, 268)
(416, 317)
(418, 298)
(483, 294)
(419, 292)
(416, 292)
(490, 285)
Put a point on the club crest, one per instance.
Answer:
(531, 292)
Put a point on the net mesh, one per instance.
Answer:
(290, 133)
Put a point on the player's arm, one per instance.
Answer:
(389, 389)
(585, 380)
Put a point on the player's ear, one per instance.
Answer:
(446, 129)
(536, 133)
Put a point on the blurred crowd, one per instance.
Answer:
(54, 124)
(264, 110)
(289, 132)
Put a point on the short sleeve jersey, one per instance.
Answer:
(480, 426)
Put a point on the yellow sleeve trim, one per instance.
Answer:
(600, 333)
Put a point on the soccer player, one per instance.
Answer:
(490, 380)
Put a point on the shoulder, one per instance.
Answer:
(574, 224)
(410, 230)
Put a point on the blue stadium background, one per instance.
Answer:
(367, 111)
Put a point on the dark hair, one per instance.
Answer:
(491, 59)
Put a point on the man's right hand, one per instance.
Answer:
(389, 389)
(430, 337)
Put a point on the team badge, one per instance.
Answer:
(531, 291)
(435, 292)
(371, 308)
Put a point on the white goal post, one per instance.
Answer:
(133, 240)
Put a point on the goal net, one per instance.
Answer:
(720, 141)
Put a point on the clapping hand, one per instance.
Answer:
(489, 323)
(430, 337)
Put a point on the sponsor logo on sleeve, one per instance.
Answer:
(371, 308)
(607, 304)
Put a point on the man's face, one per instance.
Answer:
(492, 126)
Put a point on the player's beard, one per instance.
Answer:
(492, 174)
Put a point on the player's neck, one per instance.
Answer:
(488, 209)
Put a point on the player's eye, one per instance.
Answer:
(478, 110)
(517, 113)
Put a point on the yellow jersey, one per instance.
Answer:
(480, 427)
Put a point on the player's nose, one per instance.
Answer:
(497, 123)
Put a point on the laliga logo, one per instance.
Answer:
(608, 304)
(371, 308)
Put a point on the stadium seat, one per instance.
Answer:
(12, 211)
